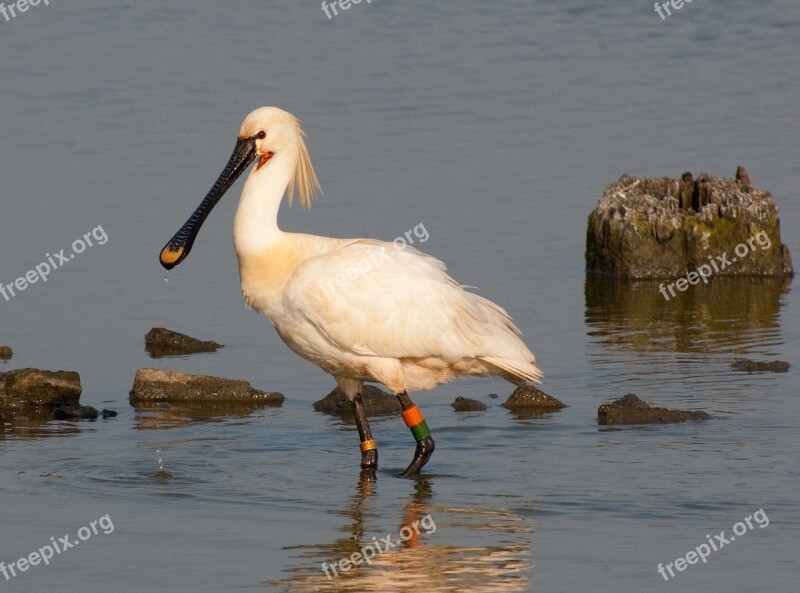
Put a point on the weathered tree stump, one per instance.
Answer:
(647, 227)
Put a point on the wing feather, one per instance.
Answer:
(372, 298)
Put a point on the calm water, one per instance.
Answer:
(496, 125)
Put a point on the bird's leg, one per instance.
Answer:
(369, 448)
(419, 428)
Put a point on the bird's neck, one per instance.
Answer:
(255, 226)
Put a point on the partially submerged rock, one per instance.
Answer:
(629, 409)
(78, 412)
(529, 399)
(754, 366)
(75, 412)
(376, 402)
(6, 353)
(164, 342)
(23, 388)
(647, 227)
(156, 385)
(465, 404)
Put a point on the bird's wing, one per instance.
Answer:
(373, 298)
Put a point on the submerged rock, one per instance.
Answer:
(376, 402)
(164, 342)
(34, 388)
(629, 409)
(529, 399)
(647, 227)
(465, 404)
(6, 353)
(76, 412)
(753, 366)
(156, 385)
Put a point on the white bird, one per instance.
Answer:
(360, 309)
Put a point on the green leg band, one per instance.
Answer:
(421, 431)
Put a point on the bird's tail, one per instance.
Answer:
(519, 369)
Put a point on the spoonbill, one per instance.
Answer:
(402, 322)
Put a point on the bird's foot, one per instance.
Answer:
(369, 459)
(423, 453)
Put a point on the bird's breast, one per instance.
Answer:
(265, 274)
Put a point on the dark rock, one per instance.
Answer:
(686, 191)
(376, 403)
(702, 191)
(161, 342)
(493, 396)
(465, 404)
(743, 177)
(153, 385)
(641, 228)
(75, 412)
(629, 409)
(528, 398)
(32, 388)
(6, 353)
(753, 366)
(109, 413)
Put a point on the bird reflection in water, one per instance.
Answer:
(497, 560)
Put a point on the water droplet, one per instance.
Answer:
(162, 474)
(166, 277)
(160, 461)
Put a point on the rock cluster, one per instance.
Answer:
(376, 402)
(754, 366)
(34, 388)
(629, 409)
(164, 342)
(465, 404)
(157, 385)
(529, 399)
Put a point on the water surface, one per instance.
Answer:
(496, 125)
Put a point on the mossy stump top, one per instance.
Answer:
(658, 227)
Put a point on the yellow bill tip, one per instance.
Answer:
(170, 257)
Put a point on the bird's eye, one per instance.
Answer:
(261, 135)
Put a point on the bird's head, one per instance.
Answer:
(266, 133)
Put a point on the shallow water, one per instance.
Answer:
(497, 127)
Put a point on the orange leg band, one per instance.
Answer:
(412, 416)
(368, 445)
